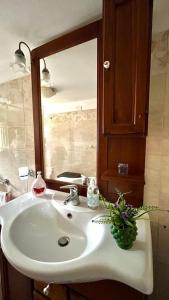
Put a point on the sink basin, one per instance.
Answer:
(49, 241)
(36, 233)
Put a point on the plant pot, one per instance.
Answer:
(124, 236)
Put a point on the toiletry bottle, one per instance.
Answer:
(93, 195)
(39, 186)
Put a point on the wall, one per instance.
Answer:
(157, 161)
(16, 131)
(70, 143)
(75, 136)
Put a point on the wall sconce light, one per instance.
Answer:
(45, 73)
(19, 64)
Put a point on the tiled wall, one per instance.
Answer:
(71, 142)
(72, 135)
(157, 162)
(16, 131)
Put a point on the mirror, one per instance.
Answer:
(65, 107)
(69, 114)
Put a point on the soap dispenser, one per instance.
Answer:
(38, 186)
(93, 194)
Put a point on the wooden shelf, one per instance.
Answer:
(112, 175)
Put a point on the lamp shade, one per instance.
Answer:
(45, 75)
(19, 58)
(19, 63)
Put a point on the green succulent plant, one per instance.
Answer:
(121, 214)
(122, 218)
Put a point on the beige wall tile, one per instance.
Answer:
(29, 137)
(154, 145)
(4, 90)
(4, 137)
(156, 191)
(28, 116)
(166, 97)
(16, 132)
(27, 92)
(155, 124)
(151, 197)
(15, 116)
(165, 174)
(152, 180)
(157, 88)
(166, 126)
(3, 114)
(165, 146)
(30, 155)
(153, 162)
(164, 201)
(17, 137)
(16, 92)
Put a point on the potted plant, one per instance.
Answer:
(122, 218)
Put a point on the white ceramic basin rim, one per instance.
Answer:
(36, 231)
(30, 232)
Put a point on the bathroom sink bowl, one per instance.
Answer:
(49, 241)
(48, 234)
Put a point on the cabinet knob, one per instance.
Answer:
(106, 64)
(46, 290)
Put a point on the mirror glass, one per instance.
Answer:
(69, 114)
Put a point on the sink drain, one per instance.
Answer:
(63, 241)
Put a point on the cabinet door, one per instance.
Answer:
(76, 296)
(56, 291)
(37, 296)
(126, 67)
(13, 284)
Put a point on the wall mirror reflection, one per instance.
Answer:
(69, 114)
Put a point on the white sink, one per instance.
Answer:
(32, 230)
(36, 232)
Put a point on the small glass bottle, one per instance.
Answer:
(38, 186)
(93, 195)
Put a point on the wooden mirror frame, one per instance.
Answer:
(74, 38)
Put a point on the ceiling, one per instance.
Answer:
(74, 73)
(39, 21)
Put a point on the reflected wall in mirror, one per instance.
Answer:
(69, 114)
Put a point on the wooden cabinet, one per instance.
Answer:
(124, 92)
(126, 47)
(37, 296)
(76, 296)
(106, 289)
(56, 291)
(87, 291)
(14, 285)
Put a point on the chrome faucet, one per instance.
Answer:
(73, 197)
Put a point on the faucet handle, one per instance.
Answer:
(70, 187)
(73, 196)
